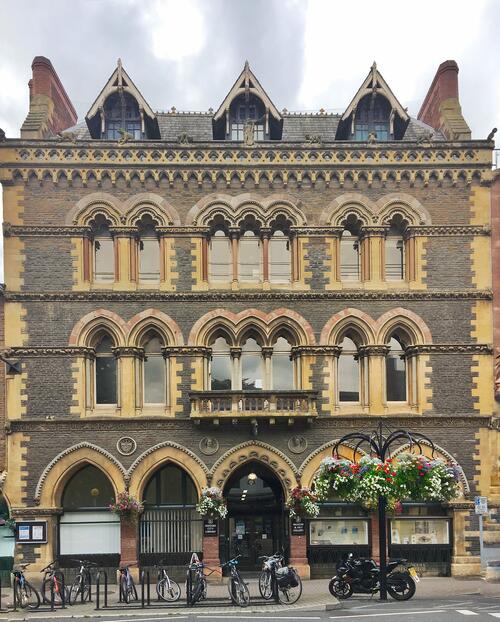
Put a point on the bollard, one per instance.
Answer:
(105, 589)
(97, 590)
(142, 588)
(52, 600)
(89, 577)
(274, 584)
(14, 593)
(148, 588)
(63, 592)
(189, 585)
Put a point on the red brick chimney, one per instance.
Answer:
(51, 110)
(441, 108)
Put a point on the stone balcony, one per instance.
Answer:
(271, 405)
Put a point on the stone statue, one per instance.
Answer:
(249, 132)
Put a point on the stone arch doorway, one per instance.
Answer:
(256, 522)
(170, 528)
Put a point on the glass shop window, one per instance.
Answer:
(420, 531)
(338, 532)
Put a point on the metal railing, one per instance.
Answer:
(273, 403)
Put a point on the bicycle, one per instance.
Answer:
(25, 595)
(166, 588)
(127, 586)
(199, 590)
(265, 577)
(238, 589)
(51, 581)
(81, 583)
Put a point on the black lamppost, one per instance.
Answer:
(379, 442)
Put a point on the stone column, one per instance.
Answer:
(234, 233)
(372, 256)
(125, 245)
(126, 386)
(375, 368)
(267, 353)
(265, 257)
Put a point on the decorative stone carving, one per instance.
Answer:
(209, 445)
(297, 444)
(126, 445)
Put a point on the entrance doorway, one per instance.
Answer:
(255, 524)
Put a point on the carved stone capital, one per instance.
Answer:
(374, 350)
(316, 350)
(235, 352)
(123, 232)
(373, 232)
(186, 351)
(124, 351)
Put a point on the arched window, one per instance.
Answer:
(87, 526)
(121, 114)
(245, 111)
(372, 115)
(104, 251)
(396, 389)
(348, 372)
(170, 486)
(250, 258)
(221, 366)
(149, 251)
(350, 257)
(154, 371)
(252, 368)
(280, 268)
(105, 370)
(395, 251)
(220, 260)
(282, 365)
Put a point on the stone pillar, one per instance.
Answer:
(376, 377)
(125, 245)
(372, 257)
(128, 545)
(265, 257)
(127, 385)
(298, 556)
(234, 234)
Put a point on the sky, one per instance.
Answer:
(307, 54)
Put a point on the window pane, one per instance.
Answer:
(282, 365)
(338, 532)
(431, 531)
(394, 258)
(279, 258)
(251, 365)
(170, 485)
(105, 371)
(220, 258)
(396, 373)
(88, 488)
(349, 257)
(221, 365)
(249, 269)
(88, 533)
(104, 259)
(154, 380)
(348, 372)
(149, 260)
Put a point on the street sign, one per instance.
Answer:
(481, 505)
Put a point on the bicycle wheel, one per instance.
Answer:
(168, 590)
(239, 593)
(80, 586)
(290, 595)
(47, 595)
(197, 593)
(265, 587)
(125, 590)
(27, 596)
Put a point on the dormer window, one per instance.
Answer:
(247, 112)
(121, 114)
(372, 116)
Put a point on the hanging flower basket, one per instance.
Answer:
(127, 507)
(410, 477)
(212, 503)
(302, 503)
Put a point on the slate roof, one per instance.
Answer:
(198, 125)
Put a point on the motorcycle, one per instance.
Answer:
(362, 576)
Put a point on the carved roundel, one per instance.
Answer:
(126, 445)
(297, 444)
(209, 445)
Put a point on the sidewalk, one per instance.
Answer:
(315, 597)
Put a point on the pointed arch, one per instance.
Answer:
(340, 322)
(89, 206)
(407, 206)
(273, 458)
(143, 467)
(100, 318)
(405, 319)
(156, 206)
(236, 323)
(57, 473)
(351, 203)
(153, 318)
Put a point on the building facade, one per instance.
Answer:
(213, 299)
